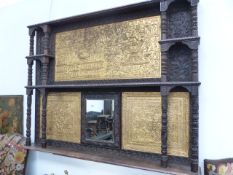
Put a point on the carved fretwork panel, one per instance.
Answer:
(64, 116)
(179, 63)
(178, 124)
(141, 121)
(179, 20)
(121, 50)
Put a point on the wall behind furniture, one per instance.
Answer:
(215, 74)
(215, 63)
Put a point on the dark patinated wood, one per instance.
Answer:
(179, 21)
(117, 125)
(164, 66)
(195, 65)
(179, 72)
(194, 129)
(105, 84)
(39, 55)
(44, 79)
(164, 156)
(29, 91)
(43, 122)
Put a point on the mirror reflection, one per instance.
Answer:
(99, 119)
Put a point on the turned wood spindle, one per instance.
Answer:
(194, 131)
(164, 156)
(29, 90)
(44, 81)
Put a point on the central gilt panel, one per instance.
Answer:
(120, 50)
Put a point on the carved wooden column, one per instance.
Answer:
(164, 25)
(164, 53)
(194, 65)
(44, 81)
(164, 66)
(194, 95)
(44, 104)
(29, 90)
(194, 21)
(194, 130)
(164, 89)
(164, 156)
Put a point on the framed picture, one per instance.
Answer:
(11, 114)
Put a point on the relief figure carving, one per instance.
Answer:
(121, 50)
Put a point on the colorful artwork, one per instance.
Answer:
(218, 167)
(11, 114)
(12, 154)
(222, 169)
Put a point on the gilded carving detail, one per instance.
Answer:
(178, 124)
(121, 50)
(64, 116)
(141, 121)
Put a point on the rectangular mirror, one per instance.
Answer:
(100, 119)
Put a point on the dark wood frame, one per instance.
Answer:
(117, 123)
(171, 12)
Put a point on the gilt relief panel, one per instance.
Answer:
(64, 116)
(141, 121)
(120, 50)
(178, 124)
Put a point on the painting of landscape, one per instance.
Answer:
(11, 114)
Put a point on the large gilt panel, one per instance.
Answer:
(141, 121)
(120, 50)
(64, 116)
(178, 124)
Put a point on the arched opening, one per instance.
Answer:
(179, 89)
(179, 63)
(179, 19)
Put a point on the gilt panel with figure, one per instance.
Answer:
(120, 50)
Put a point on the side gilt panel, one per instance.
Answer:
(64, 116)
(141, 121)
(178, 124)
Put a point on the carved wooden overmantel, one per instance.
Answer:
(141, 60)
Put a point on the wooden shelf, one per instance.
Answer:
(113, 84)
(117, 160)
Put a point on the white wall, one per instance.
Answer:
(215, 64)
(215, 73)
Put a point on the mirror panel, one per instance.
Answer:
(99, 120)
